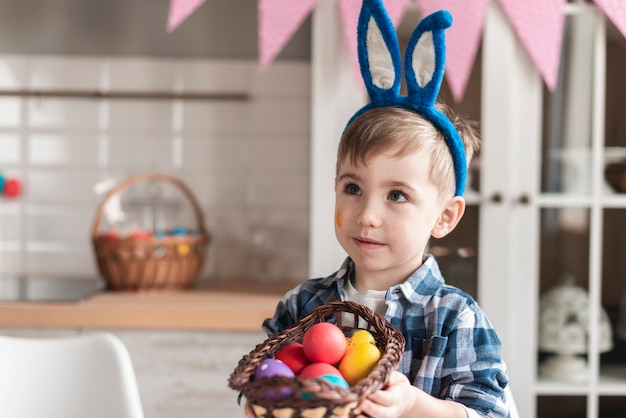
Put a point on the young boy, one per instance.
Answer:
(394, 190)
(400, 175)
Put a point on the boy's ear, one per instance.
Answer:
(450, 216)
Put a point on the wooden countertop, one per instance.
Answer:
(215, 308)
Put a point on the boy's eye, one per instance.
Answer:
(353, 189)
(397, 196)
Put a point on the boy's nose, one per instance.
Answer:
(369, 215)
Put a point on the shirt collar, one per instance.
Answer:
(421, 284)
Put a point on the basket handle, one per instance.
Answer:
(143, 178)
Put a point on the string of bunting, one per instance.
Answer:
(538, 25)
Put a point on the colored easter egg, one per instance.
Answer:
(1, 183)
(336, 380)
(314, 370)
(358, 362)
(140, 234)
(360, 336)
(183, 249)
(271, 367)
(178, 231)
(293, 356)
(324, 343)
(111, 234)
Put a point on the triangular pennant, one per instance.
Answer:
(539, 26)
(462, 39)
(350, 10)
(278, 21)
(181, 10)
(616, 11)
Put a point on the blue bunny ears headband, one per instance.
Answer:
(424, 62)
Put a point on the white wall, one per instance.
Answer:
(246, 161)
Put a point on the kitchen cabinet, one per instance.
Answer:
(546, 208)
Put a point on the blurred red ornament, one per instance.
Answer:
(12, 188)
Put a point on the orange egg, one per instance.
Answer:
(358, 362)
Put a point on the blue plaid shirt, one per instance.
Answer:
(452, 351)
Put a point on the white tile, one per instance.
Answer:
(223, 153)
(148, 115)
(63, 113)
(280, 116)
(60, 223)
(278, 191)
(10, 261)
(286, 155)
(10, 112)
(283, 80)
(137, 74)
(216, 76)
(215, 191)
(72, 186)
(13, 70)
(10, 226)
(141, 149)
(10, 152)
(63, 149)
(58, 73)
(67, 264)
(231, 117)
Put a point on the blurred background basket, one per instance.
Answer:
(318, 397)
(149, 261)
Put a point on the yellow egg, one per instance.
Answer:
(361, 336)
(358, 362)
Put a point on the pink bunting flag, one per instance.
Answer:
(278, 21)
(350, 10)
(462, 39)
(181, 10)
(616, 11)
(539, 27)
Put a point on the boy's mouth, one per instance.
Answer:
(367, 243)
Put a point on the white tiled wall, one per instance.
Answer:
(246, 161)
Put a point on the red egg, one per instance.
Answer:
(314, 370)
(293, 356)
(324, 343)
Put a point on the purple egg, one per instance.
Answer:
(271, 367)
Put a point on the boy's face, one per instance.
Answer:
(385, 213)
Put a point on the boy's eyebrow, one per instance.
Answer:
(396, 183)
(389, 183)
(349, 176)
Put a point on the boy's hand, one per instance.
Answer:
(400, 399)
(395, 400)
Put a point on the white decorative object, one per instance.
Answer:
(564, 331)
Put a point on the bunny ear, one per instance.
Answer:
(379, 53)
(425, 58)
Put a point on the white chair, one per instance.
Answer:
(83, 376)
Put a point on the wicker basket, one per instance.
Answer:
(317, 397)
(142, 263)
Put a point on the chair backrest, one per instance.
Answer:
(83, 376)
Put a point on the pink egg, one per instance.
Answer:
(314, 370)
(324, 343)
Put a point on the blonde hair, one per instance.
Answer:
(401, 132)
